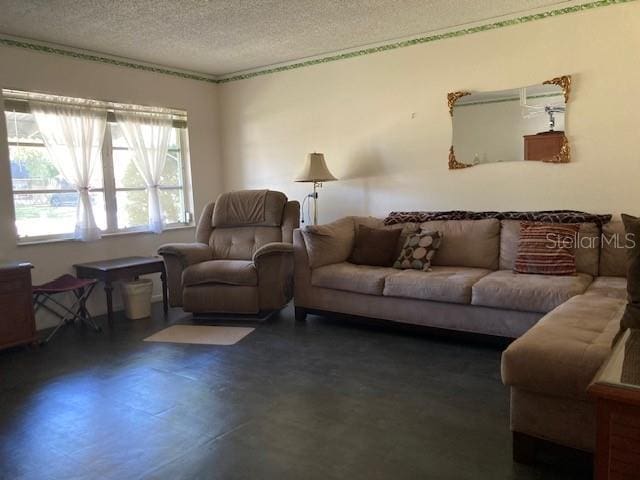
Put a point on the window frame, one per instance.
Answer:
(108, 188)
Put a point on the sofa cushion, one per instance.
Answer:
(587, 250)
(547, 248)
(613, 255)
(561, 354)
(352, 278)
(527, 292)
(615, 287)
(631, 317)
(229, 272)
(249, 207)
(467, 243)
(330, 243)
(441, 284)
(241, 243)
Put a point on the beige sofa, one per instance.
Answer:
(242, 260)
(564, 325)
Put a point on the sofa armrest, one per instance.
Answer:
(272, 248)
(274, 263)
(302, 271)
(187, 253)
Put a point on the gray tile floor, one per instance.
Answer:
(324, 399)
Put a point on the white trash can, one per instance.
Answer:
(137, 298)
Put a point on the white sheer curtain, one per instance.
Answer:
(147, 134)
(73, 135)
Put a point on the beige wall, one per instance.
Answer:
(360, 113)
(22, 69)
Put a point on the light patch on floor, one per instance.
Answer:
(200, 334)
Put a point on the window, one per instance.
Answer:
(131, 192)
(45, 203)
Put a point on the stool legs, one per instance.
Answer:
(78, 310)
(83, 313)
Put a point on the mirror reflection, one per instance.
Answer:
(520, 124)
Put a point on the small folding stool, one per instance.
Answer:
(43, 297)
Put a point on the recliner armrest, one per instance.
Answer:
(274, 264)
(187, 253)
(272, 248)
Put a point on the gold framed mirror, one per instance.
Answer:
(519, 124)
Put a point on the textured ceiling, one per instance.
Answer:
(226, 36)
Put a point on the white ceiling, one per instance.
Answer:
(227, 36)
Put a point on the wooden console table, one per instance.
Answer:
(616, 388)
(17, 322)
(119, 269)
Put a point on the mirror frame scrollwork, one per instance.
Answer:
(564, 82)
(453, 97)
(455, 164)
(564, 156)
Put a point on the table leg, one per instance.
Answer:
(165, 300)
(108, 290)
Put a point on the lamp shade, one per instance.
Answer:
(315, 170)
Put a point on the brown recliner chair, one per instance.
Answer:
(243, 259)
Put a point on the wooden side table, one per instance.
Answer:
(119, 269)
(616, 388)
(17, 321)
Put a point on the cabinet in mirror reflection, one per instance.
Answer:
(519, 124)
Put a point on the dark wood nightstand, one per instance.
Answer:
(17, 322)
(616, 388)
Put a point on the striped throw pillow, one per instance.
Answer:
(547, 248)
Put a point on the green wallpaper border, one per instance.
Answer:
(107, 60)
(307, 63)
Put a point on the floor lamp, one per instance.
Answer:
(315, 171)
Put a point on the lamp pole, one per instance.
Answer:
(316, 185)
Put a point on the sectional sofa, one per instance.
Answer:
(550, 367)
(563, 325)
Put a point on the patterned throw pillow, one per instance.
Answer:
(547, 248)
(418, 250)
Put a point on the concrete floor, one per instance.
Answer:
(324, 399)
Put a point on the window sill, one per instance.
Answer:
(26, 243)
